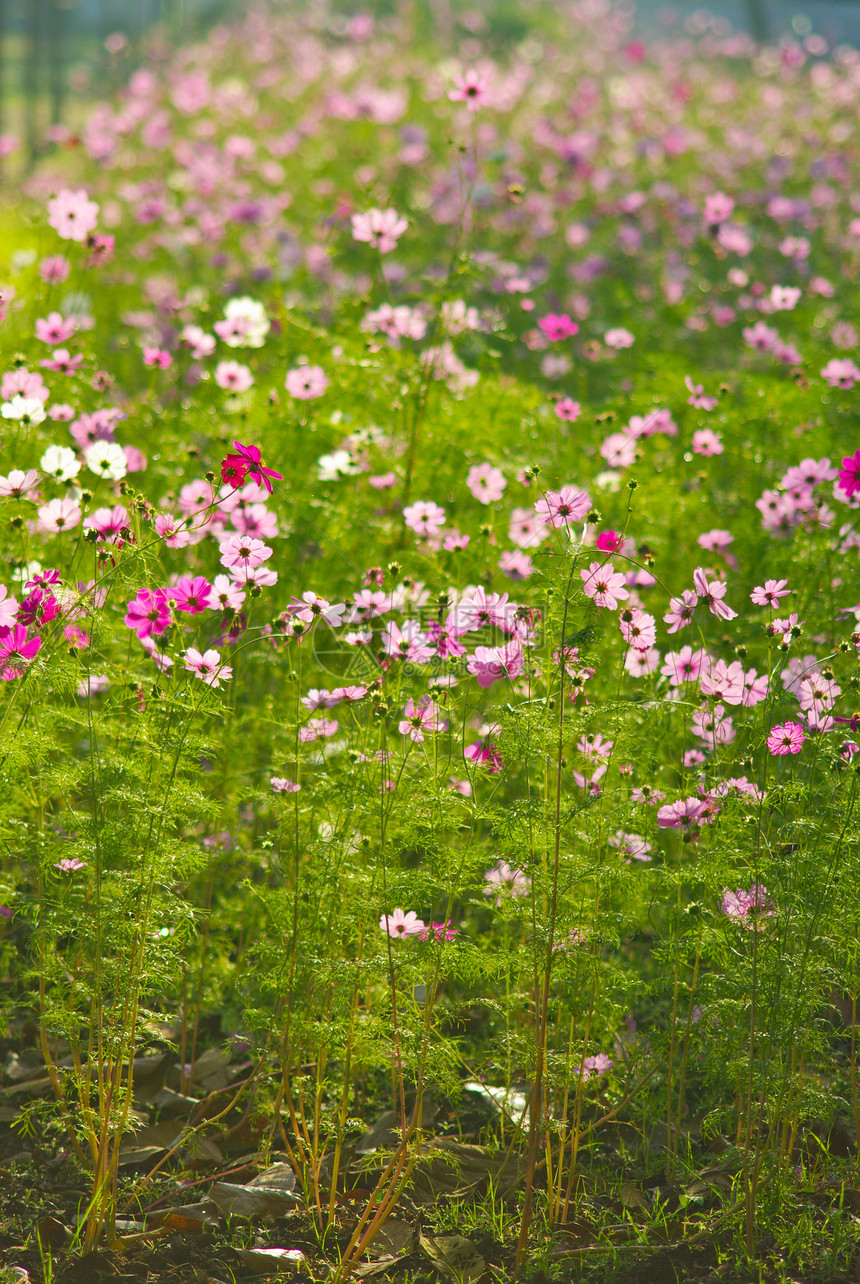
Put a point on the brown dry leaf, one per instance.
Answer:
(395, 1237)
(454, 1256)
(632, 1196)
(378, 1267)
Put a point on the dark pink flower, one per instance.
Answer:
(849, 477)
(787, 738)
(193, 595)
(148, 613)
(16, 651)
(251, 457)
(558, 326)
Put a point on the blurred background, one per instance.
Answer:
(58, 56)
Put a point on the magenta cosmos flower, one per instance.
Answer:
(470, 89)
(192, 594)
(16, 651)
(558, 326)
(604, 585)
(849, 477)
(148, 613)
(563, 507)
(248, 460)
(788, 737)
(72, 215)
(306, 382)
(401, 923)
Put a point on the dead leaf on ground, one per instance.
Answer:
(453, 1256)
(632, 1196)
(395, 1237)
(252, 1201)
(266, 1261)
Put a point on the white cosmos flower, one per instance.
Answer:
(29, 410)
(60, 462)
(106, 459)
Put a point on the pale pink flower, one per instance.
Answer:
(72, 215)
(769, 593)
(306, 382)
(503, 879)
(59, 515)
(380, 228)
(232, 376)
(401, 923)
(207, 666)
(618, 338)
(470, 88)
(424, 517)
(841, 373)
(420, 717)
(563, 507)
(712, 592)
(243, 551)
(486, 483)
(604, 585)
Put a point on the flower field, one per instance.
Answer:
(429, 635)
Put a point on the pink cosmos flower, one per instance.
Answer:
(697, 396)
(598, 1064)
(306, 382)
(618, 339)
(849, 476)
(441, 931)
(723, 681)
(568, 410)
(841, 373)
(8, 608)
(424, 517)
(642, 663)
(54, 269)
(72, 215)
(207, 666)
(18, 483)
(712, 592)
(318, 729)
(787, 738)
(310, 608)
(69, 865)
(684, 665)
(563, 507)
(406, 643)
(490, 664)
(769, 593)
(486, 483)
(59, 515)
(706, 442)
(685, 814)
(280, 785)
(379, 228)
(809, 472)
(784, 298)
(745, 906)
(604, 585)
(558, 326)
(638, 629)
(243, 551)
(16, 651)
(55, 328)
(718, 208)
(232, 376)
(193, 595)
(470, 89)
(158, 357)
(401, 923)
(421, 717)
(503, 879)
(148, 613)
(480, 609)
(760, 337)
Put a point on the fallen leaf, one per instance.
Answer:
(453, 1256)
(266, 1261)
(252, 1201)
